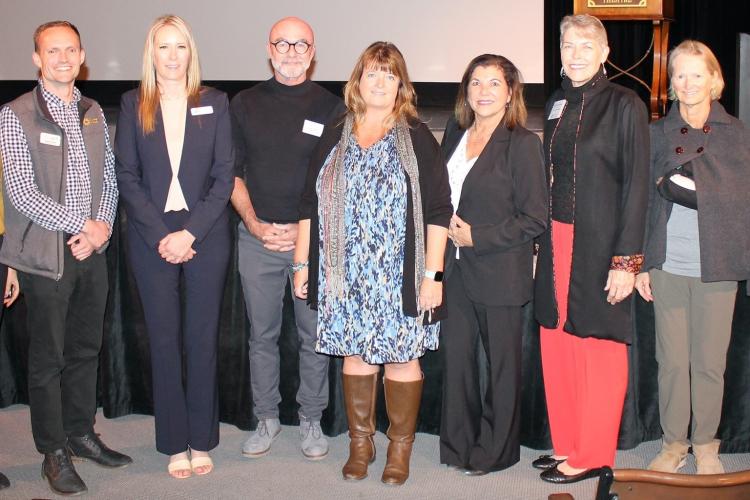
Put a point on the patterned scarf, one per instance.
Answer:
(333, 201)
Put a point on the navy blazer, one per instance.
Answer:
(504, 199)
(206, 174)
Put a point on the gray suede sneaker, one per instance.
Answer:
(259, 442)
(314, 444)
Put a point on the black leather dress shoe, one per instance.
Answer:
(90, 447)
(59, 472)
(4, 483)
(545, 462)
(557, 477)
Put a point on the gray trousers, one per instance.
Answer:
(264, 275)
(693, 328)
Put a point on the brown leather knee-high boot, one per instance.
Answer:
(402, 404)
(359, 396)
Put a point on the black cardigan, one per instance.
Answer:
(436, 207)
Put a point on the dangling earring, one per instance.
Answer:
(604, 69)
(562, 72)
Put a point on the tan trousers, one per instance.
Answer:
(693, 328)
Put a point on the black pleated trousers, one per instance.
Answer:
(183, 324)
(480, 431)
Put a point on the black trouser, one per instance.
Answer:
(472, 434)
(65, 320)
(186, 414)
(3, 277)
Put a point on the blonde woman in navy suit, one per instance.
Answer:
(174, 170)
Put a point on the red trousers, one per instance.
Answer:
(585, 379)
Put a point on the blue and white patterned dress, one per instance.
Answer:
(369, 320)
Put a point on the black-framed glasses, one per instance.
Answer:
(282, 46)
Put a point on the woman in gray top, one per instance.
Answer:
(697, 248)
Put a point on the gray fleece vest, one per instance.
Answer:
(29, 247)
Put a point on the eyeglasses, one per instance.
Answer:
(282, 46)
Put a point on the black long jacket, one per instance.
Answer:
(611, 171)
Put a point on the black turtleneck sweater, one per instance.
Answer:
(563, 151)
(272, 151)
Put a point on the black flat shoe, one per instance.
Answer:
(545, 462)
(457, 468)
(4, 483)
(61, 475)
(90, 447)
(557, 477)
(471, 471)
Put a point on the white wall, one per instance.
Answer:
(437, 37)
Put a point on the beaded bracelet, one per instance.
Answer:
(298, 266)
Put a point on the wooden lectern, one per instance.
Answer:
(660, 13)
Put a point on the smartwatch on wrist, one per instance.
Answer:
(434, 275)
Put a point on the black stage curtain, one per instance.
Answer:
(125, 375)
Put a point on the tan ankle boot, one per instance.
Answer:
(671, 458)
(402, 404)
(707, 458)
(359, 396)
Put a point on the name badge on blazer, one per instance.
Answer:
(90, 121)
(312, 128)
(557, 109)
(202, 110)
(50, 139)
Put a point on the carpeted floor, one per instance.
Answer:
(284, 473)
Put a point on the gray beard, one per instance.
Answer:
(290, 72)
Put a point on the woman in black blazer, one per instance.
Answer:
(175, 174)
(499, 196)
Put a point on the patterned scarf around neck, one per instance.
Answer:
(333, 201)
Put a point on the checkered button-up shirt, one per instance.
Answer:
(22, 189)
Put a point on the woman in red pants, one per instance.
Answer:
(597, 153)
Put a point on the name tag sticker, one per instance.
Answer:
(50, 139)
(312, 128)
(203, 110)
(557, 109)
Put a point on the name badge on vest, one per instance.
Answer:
(50, 139)
(557, 109)
(203, 110)
(90, 121)
(312, 128)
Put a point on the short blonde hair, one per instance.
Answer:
(149, 91)
(696, 48)
(587, 24)
(385, 56)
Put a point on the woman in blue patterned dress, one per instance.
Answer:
(375, 215)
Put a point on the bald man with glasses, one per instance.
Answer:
(276, 124)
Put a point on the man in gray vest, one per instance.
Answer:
(60, 204)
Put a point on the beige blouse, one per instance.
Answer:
(173, 113)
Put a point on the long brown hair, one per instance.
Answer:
(149, 89)
(515, 113)
(385, 56)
